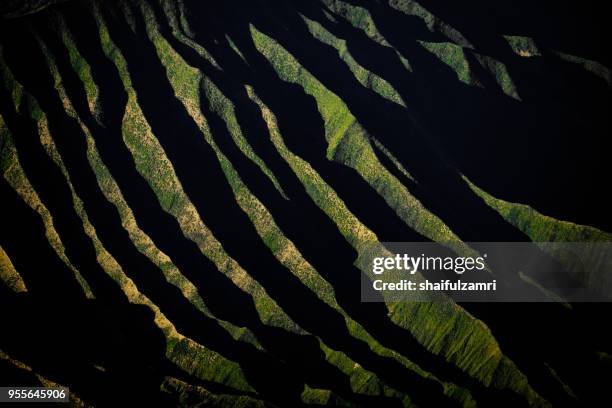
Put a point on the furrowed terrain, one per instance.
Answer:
(187, 186)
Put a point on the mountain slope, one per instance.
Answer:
(191, 183)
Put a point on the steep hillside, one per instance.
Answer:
(187, 186)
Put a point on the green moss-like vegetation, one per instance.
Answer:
(221, 105)
(443, 329)
(5, 151)
(543, 229)
(594, 67)
(522, 46)
(500, 73)
(336, 116)
(365, 77)
(208, 371)
(452, 55)
(539, 227)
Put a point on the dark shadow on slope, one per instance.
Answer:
(545, 151)
(70, 141)
(50, 184)
(62, 335)
(23, 236)
(382, 61)
(554, 339)
(193, 159)
(163, 228)
(334, 81)
(11, 374)
(469, 217)
(561, 319)
(361, 199)
(547, 314)
(469, 194)
(275, 93)
(573, 28)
